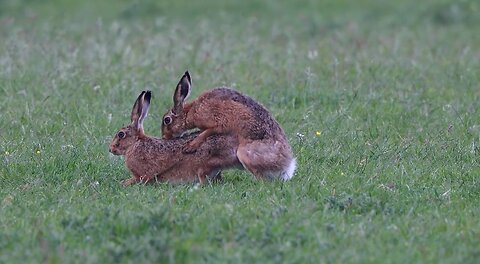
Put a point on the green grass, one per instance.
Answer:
(380, 101)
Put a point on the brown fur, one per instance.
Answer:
(154, 159)
(263, 147)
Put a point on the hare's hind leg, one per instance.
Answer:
(203, 173)
(252, 160)
(265, 160)
(202, 177)
(212, 168)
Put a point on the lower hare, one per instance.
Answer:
(263, 147)
(154, 159)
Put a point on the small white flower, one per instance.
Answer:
(195, 187)
(64, 147)
(312, 54)
(229, 207)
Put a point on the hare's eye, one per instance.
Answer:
(121, 135)
(167, 120)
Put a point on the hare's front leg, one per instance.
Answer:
(136, 179)
(193, 145)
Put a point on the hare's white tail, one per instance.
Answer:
(290, 170)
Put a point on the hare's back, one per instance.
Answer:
(249, 116)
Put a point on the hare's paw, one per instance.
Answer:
(146, 179)
(190, 147)
(128, 182)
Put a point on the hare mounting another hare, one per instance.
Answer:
(153, 159)
(263, 148)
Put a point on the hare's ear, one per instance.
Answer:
(140, 109)
(182, 91)
(137, 109)
(144, 108)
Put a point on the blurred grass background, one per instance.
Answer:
(379, 100)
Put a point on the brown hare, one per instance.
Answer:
(263, 147)
(153, 159)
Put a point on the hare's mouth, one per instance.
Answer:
(180, 135)
(114, 151)
(187, 133)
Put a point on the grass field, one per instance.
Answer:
(379, 99)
